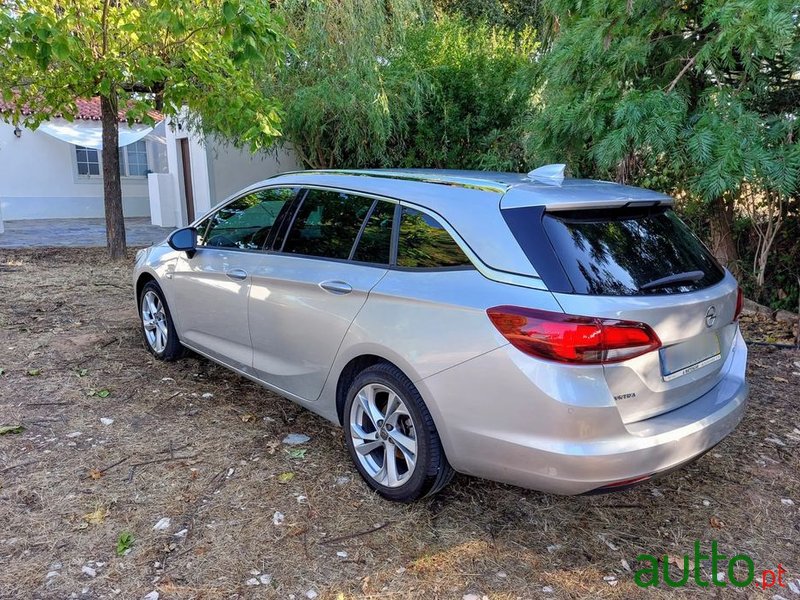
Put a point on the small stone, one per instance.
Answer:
(295, 438)
(787, 501)
(610, 580)
(106, 421)
(87, 570)
(502, 574)
(207, 395)
(182, 533)
(341, 554)
(342, 481)
(706, 503)
(151, 596)
(265, 579)
(278, 518)
(795, 587)
(74, 434)
(311, 594)
(252, 581)
(162, 524)
(656, 493)
(51, 574)
(470, 597)
(255, 572)
(56, 565)
(301, 499)
(553, 547)
(625, 565)
(548, 590)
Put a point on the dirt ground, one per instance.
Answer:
(200, 446)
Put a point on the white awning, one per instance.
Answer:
(90, 133)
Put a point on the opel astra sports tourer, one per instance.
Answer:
(566, 335)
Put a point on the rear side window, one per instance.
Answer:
(374, 245)
(627, 252)
(425, 244)
(246, 222)
(327, 224)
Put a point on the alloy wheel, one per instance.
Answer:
(154, 320)
(384, 436)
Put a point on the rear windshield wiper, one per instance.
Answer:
(672, 280)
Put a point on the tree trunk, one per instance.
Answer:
(112, 186)
(723, 246)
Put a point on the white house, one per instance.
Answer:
(168, 174)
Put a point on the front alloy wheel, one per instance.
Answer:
(159, 332)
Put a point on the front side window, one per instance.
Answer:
(88, 161)
(425, 244)
(327, 224)
(246, 222)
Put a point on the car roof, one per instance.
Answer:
(470, 200)
(516, 189)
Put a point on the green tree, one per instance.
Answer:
(476, 86)
(137, 55)
(697, 97)
(343, 107)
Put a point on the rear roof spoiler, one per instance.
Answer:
(583, 195)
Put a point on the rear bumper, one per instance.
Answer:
(499, 419)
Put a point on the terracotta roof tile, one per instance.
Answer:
(88, 110)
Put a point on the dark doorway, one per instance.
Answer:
(187, 179)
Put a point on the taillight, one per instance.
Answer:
(570, 338)
(739, 304)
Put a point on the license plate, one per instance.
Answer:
(686, 357)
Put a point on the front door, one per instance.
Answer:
(304, 298)
(212, 287)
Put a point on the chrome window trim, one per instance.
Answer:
(527, 281)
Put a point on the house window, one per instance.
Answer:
(133, 160)
(88, 160)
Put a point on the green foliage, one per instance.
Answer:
(478, 80)
(162, 54)
(124, 542)
(342, 107)
(697, 90)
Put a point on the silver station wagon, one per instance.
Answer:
(570, 336)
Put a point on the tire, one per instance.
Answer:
(377, 436)
(154, 329)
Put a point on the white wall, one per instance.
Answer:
(231, 169)
(38, 181)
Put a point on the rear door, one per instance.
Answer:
(640, 264)
(303, 300)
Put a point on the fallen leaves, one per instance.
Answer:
(102, 393)
(97, 516)
(248, 418)
(285, 477)
(33, 372)
(298, 453)
(95, 474)
(4, 429)
(716, 522)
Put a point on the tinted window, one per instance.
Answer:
(327, 224)
(376, 239)
(246, 222)
(618, 252)
(424, 243)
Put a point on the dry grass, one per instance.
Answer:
(221, 461)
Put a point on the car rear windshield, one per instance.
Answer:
(620, 252)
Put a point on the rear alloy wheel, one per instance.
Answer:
(391, 436)
(159, 332)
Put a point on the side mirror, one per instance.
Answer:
(184, 240)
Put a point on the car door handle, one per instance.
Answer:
(238, 274)
(336, 287)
